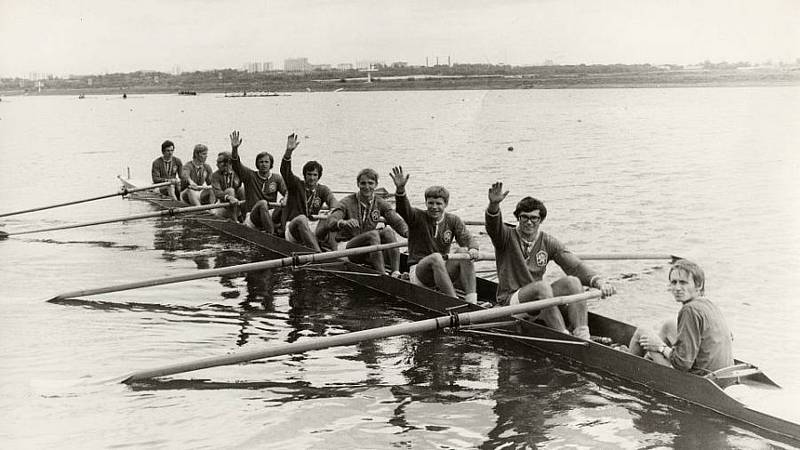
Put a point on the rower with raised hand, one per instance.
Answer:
(431, 232)
(522, 254)
(227, 187)
(304, 199)
(167, 167)
(699, 340)
(260, 186)
(356, 220)
(196, 178)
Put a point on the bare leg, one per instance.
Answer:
(325, 237)
(539, 290)
(387, 236)
(578, 312)
(261, 218)
(464, 272)
(432, 271)
(230, 212)
(191, 197)
(375, 259)
(300, 230)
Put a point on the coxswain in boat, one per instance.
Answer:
(304, 200)
(522, 254)
(260, 186)
(167, 167)
(227, 187)
(196, 178)
(699, 340)
(431, 232)
(356, 221)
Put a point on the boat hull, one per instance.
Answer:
(600, 358)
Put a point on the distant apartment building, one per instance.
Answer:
(344, 66)
(253, 67)
(369, 64)
(267, 66)
(297, 65)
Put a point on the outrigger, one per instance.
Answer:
(704, 391)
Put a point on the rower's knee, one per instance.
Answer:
(434, 259)
(535, 291)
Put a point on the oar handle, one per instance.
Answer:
(123, 192)
(274, 263)
(482, 256)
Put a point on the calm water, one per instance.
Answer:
(709, 174)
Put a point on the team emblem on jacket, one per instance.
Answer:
(316, 203)
(541, 258)
(273, 187)
(447, 236)
(375, 215)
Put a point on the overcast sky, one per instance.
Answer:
(97, 36)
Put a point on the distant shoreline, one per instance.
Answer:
(289, 85)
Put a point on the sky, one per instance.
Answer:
(105, 36)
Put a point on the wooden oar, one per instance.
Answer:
(381, 192)
(123, 192)
(166, 212)
(451, 321)
(270, 264)
(587, 257)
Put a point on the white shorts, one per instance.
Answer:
(312, 224)
(249, 223)
(412, 276)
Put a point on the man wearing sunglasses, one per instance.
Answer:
(522, 254)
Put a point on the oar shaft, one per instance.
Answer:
(585, 257)
(271, 264)
(358, 336)
(123, 192)
(166, 212)
(625, 256)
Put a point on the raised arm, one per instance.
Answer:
(494, 219)
(286, 162)
(400, 180)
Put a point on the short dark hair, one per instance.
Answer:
(166, 144)
(312, 165)
(268, 155)
(528, 204)
(224, 156)
(694, 271)
(437, 192)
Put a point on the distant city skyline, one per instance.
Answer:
(95, 37)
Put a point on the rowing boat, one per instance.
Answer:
(707, 392)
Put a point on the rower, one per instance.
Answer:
(196, 178)
(304, 200)
(227, 187)
(260, 186)
(356, 219)
(522, 254)
(167, 167)
(431, 232)
(699, 340)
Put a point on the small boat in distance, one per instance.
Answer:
(187, 92)
(81, 96)
(252, 94)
